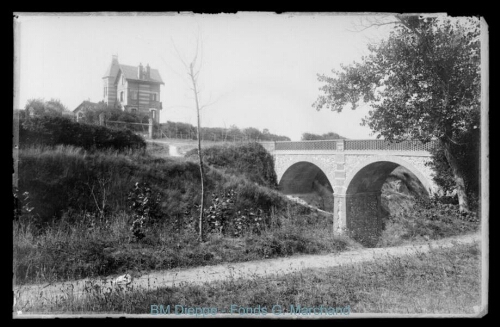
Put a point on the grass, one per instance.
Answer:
(70, 251)
(443, 281)
(158, 149)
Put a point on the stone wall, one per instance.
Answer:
(358, 214)
(364, 221)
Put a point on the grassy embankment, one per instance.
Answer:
(87, 193)
(444, 281)
(75, 187)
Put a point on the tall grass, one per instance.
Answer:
(80, 224)
(88, 248)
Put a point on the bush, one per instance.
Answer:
(68, 179)
(51, 131)
(250, 160)
(427, 219)
(146, 207)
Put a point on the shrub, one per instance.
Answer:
(250, 160)
(427, 219)
(146, 209)
(53, 130)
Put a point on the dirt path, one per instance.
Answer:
(251, 269)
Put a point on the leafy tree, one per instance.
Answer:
(327, 136)
(423, 82)
(40, 107)
(176, 129)
(55, 105)
(252, 133)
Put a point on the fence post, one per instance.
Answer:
(150, 129)
(341, 145)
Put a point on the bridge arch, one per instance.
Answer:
(306, 180)
(360, 197)
(375, 171)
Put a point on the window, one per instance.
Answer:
(153, 114)
(134, 95)
(152, 97)
(121, 96)
(123, 80)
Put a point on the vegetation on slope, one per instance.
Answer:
(250, 160)
(88, 214)
(78, 214)
(56, 130)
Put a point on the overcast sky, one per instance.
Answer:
(259, 69)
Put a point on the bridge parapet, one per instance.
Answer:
(356, 145)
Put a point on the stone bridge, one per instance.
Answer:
(349, 174)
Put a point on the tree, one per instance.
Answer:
(40, 107)
(327, 136)
(423, 83)
(55, 105)
(193, 70)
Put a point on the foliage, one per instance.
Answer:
(326, 136)
(53, 130)
(73, 247)
(233, 133)
(67, 180)
(468, 153)
(250, 160)
(433, 218)
(423, 82)
(222, 217)
(40, 107)
(146, 208)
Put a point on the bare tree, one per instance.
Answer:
(193, 70)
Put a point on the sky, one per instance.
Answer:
(258, 69)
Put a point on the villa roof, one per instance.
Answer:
(131, 72)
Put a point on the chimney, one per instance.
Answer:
(148, 72)
(140, 73)
(114, 59)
